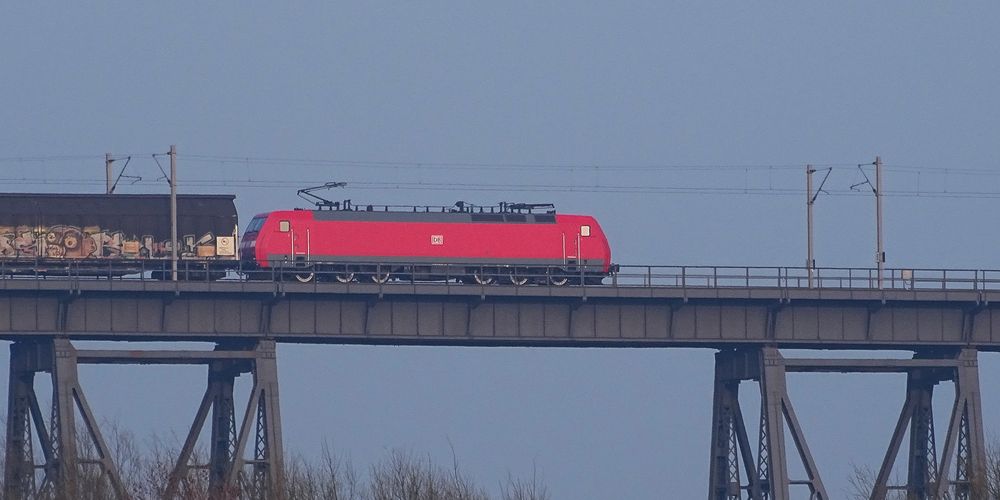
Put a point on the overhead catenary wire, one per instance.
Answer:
(770, 167)
(430, 165)
(433, 165)
(638, 179)
(481, 187)
(9, 159)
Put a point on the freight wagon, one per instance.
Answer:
(87, 234)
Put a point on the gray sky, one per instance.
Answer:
(433, 88)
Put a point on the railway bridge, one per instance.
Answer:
(747, 314)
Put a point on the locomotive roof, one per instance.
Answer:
(430, 216)
(459, 207)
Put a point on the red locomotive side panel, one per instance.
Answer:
(573, 243)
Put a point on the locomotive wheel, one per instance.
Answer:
(380, 278)
(305, 277)
(518, 279)
(558, 280)
(482, 277)
(344, 277)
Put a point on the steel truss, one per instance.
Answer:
(928, 477)
(69, 460)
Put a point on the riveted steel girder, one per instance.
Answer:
(232, 475)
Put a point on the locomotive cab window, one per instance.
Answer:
(255, 225)
(284, 226)
(584, 231)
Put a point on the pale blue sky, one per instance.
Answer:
(553, 83)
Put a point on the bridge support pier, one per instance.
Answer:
(22, 410)
(64, 468)
(75, 463)
(927, 477)
(228, 476)
(767, 478)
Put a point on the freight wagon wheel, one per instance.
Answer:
(380, 277)
(305, 277)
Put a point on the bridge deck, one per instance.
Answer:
(699, 311)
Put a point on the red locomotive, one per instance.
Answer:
(514, 242)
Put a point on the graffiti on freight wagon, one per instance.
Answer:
(62, 241)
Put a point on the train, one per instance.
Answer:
(121, 234)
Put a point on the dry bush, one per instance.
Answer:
(405, 476)
(993, 468)
(862, 480)
(331, 478)
(518, 489)
(401, 475)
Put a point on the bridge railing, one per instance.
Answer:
(454, 274)
(799, 277)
